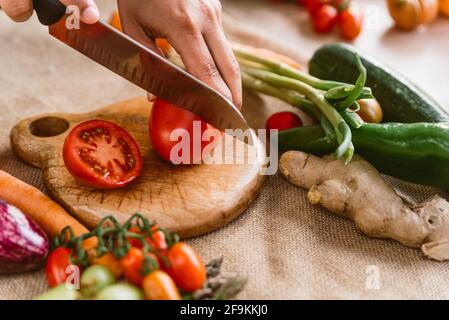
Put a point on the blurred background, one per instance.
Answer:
(421, 54)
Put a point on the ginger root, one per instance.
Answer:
(357, 191)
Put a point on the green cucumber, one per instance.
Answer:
(401, 100)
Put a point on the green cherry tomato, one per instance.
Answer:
(94, 279)
(120, 291)
(60, 292)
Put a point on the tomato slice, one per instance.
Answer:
(102, 155)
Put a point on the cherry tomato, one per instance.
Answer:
(102, 155)
(313, 6)
(165, 119)
(157, 240)
(158, 285)
(350, 23)
(133, 241)
(109, 261)
(325, 18)
(120, 291)
(186, 267)
(370, 110)
(283, 121)
(56, 267)
(94, 279)
(132, 265)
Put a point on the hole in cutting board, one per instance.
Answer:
(48, 127)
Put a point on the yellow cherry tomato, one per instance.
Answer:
(370, 111)
(158, 285)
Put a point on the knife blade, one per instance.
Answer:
(141, 66)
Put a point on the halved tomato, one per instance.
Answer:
(102, 155)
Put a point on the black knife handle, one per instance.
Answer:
(49, 11)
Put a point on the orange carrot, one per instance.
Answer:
(114, 21)
(49, 215)
(164, 45)
(108, 260)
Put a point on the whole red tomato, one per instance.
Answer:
(56, 267)
(350, 23)
(313, 6)
(132, 266)
(186, 267)
(283, 121)
(165, 119)
(325, 18)
(157, 239)
(133, 241)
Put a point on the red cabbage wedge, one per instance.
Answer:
(23, 245)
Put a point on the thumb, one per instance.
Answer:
(88, 10)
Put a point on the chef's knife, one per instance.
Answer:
(143, 67)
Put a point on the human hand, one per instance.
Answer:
(194, 29)
(22, 10)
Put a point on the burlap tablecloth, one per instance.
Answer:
(287, 248)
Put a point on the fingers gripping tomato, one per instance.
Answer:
(186, 267)
(102, 155)
(56, 267)
(166, 122)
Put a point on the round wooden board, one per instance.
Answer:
(190, 200)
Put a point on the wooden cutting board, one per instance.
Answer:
(189, 200)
